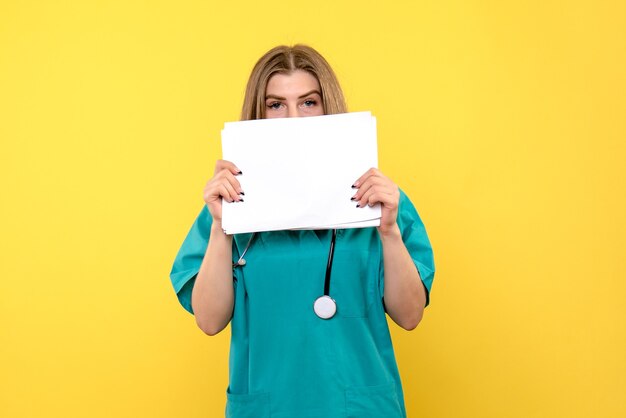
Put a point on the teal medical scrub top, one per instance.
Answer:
(285, 362)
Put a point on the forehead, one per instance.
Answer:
(294, 83)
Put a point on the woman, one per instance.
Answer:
(286, 361)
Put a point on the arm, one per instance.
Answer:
(212, 297)
(404, 294)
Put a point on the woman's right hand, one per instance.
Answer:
(222, 185)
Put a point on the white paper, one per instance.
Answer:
(298, 172)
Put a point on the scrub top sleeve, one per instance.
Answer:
(417, 243)
(189, 258)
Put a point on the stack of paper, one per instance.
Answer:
(298, 172)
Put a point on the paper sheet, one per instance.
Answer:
(298, 172)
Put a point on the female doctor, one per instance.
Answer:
(309, 336)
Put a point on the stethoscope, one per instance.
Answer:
(325, 307)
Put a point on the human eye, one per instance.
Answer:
(309, 103)
(274, 105)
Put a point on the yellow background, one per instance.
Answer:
(504, 122)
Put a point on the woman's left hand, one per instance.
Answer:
(374, 187)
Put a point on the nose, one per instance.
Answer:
(293, 112)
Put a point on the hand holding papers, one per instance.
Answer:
(298, 172)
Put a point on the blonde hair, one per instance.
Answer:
(284, 60)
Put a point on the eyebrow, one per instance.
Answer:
(272, 96)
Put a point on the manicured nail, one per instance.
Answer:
(353, 186)
(240, 172)
(358, 206)
(241, 200)
(242, 193)
(353, 198)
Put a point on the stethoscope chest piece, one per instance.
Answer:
(325, 307)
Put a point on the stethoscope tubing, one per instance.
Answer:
(329, 265)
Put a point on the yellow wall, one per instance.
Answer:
(504, 121)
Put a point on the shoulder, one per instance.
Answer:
(204, 221)
(404, 199)
(406, 207)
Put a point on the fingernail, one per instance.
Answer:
(241, 200)
(353, 186)
(353, 198)
(242, 193)
(358, 206)
(240, 172)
